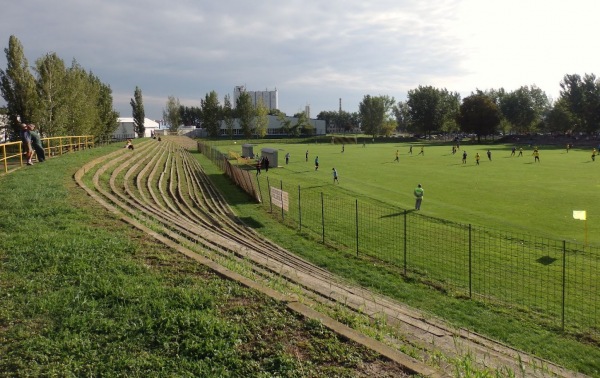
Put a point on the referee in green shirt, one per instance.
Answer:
(419, 196)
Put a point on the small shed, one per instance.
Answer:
(248, 150)
(271, 154)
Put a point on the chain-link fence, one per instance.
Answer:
(558, 280)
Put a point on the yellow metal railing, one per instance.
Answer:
(12, 152)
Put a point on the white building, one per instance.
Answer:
(126, 128)
(269, 99)
(275, 126)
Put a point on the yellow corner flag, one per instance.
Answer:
(579, 214)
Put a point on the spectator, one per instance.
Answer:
(36, 143)
(27, 146)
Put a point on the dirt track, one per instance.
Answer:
(165, 192)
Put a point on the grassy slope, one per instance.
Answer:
(82, 294)
(393, 182)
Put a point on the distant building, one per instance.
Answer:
(126, 128)
(269, 98)
(275, 126)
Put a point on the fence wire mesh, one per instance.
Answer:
(557, 280)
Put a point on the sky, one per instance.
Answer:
(314, 52)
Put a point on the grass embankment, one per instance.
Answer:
(366, 176)
(83, 294)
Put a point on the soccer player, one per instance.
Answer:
(335, 176)
(477, 157)
(464, 160)
(513, 151)
(422, 151)
(489, 154)
(317, 163)
(536, 155)
(594, 153)
(397, 156)
(520, 151)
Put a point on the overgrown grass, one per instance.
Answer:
(516, 326)
(83, 294)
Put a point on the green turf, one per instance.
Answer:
(508, 193)
(519, 326)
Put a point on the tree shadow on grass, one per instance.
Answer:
(251, 222)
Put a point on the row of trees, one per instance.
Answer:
(253, 119)
(430, 110)
(59, 99)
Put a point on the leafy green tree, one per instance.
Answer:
(372, 114)
(346, 120)
(108, 118)
(524, 108)
(479, 114)
(402, 114)
(560, 119)
(329, 118)
(276, 112)
(303, 125)
(582, 98)
(211, 113)
(228, 116)
(286, 123)
(431, 109)
(262, 119)
(244, 111)
(171, 114)
(137, 111)
(52, 109)
(18, 86)
(190, 115)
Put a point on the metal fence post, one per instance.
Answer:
(470, 264)
(269, 191)
(405, 239)
(281, 187)
(323, 216)
(299, 209)
(356, 217)
(564, 284)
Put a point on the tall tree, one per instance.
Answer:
(286, 123)
(372, 114)
(479, 114)
(402, 114)
(107, 116)
(582, 97)
(524, 108)
(244, 111)
(211, 113)
(137, 112)
(52, 108)
(432, 109)
(171, 114)
(560, 119)
(303, 125)
(228, 117)
(262, 119)
(328, 117)
(18, 86)
(190, 115)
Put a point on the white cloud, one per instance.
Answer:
(314, 52)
